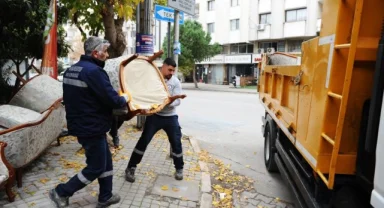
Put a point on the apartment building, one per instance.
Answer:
(248, 28)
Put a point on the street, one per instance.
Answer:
(228, 126)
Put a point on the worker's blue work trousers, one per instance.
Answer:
(99, 166)
(154, 123)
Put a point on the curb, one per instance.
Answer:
(214, 90)
(206, 197)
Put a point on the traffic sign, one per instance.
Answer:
(187, 6)
(167, 14)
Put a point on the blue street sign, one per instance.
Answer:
(166, 14)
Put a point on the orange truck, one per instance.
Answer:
(322, 126)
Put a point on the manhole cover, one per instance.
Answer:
(169, 186)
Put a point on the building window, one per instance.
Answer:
(235, 24)
(197, 9)
(281, 46)
(295, 15)
(294, 45)
(250, 48)
(211, 5)
(234, 3)
(266, 45)
(234, 49)
(241, 48)
(265, 18)
(211, 28)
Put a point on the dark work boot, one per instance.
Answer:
(58, 200)
(179, 174)
(116, 141)
(113, 200)
(130, 174)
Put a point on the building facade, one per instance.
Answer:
(248, 28)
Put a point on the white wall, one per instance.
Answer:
(264, 34)
(248, 12)
(295, 4)
(294, 29)
(221, 16)
(312, 17)
(264, 6)
(278, 19)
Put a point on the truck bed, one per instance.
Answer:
(318, 104)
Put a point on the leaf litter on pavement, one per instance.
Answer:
(225, 181)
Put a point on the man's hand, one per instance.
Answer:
(175, 97)
(134, 113)
(126, 97)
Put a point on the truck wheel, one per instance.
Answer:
(270, 136)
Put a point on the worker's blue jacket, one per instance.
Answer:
(89, 98)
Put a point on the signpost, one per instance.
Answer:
(167, 14)
(187, 6)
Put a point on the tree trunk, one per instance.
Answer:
(113, 32)
(17, 82)
(194, 76)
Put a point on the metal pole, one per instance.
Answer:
(177, 33)
(169, 40)
(159, 35)
(138, 18)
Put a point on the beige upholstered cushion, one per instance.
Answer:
(11, 116)
(4, 173)
(38, 94)
(144, 84)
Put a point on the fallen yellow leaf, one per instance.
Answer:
(94, 193)
(44, 180)
(164, 188)
(189, 153)
(80, 152)
(63, 178)
(120, 147)
(175, 189)
(32, 204)
(248, 166)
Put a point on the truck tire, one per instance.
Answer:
(270, 135)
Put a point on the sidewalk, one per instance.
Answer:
(154, 186)
(217, 88)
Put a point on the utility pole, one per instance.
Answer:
(176, 41)
(169, 54)
(159, 35)
(143, 26)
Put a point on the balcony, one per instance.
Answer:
(264, 34)
(260, 32)
(294, 29)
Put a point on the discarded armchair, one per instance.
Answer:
(31, 121)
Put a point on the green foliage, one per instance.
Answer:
(87, 15)
(195, 45)
(22, 23)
